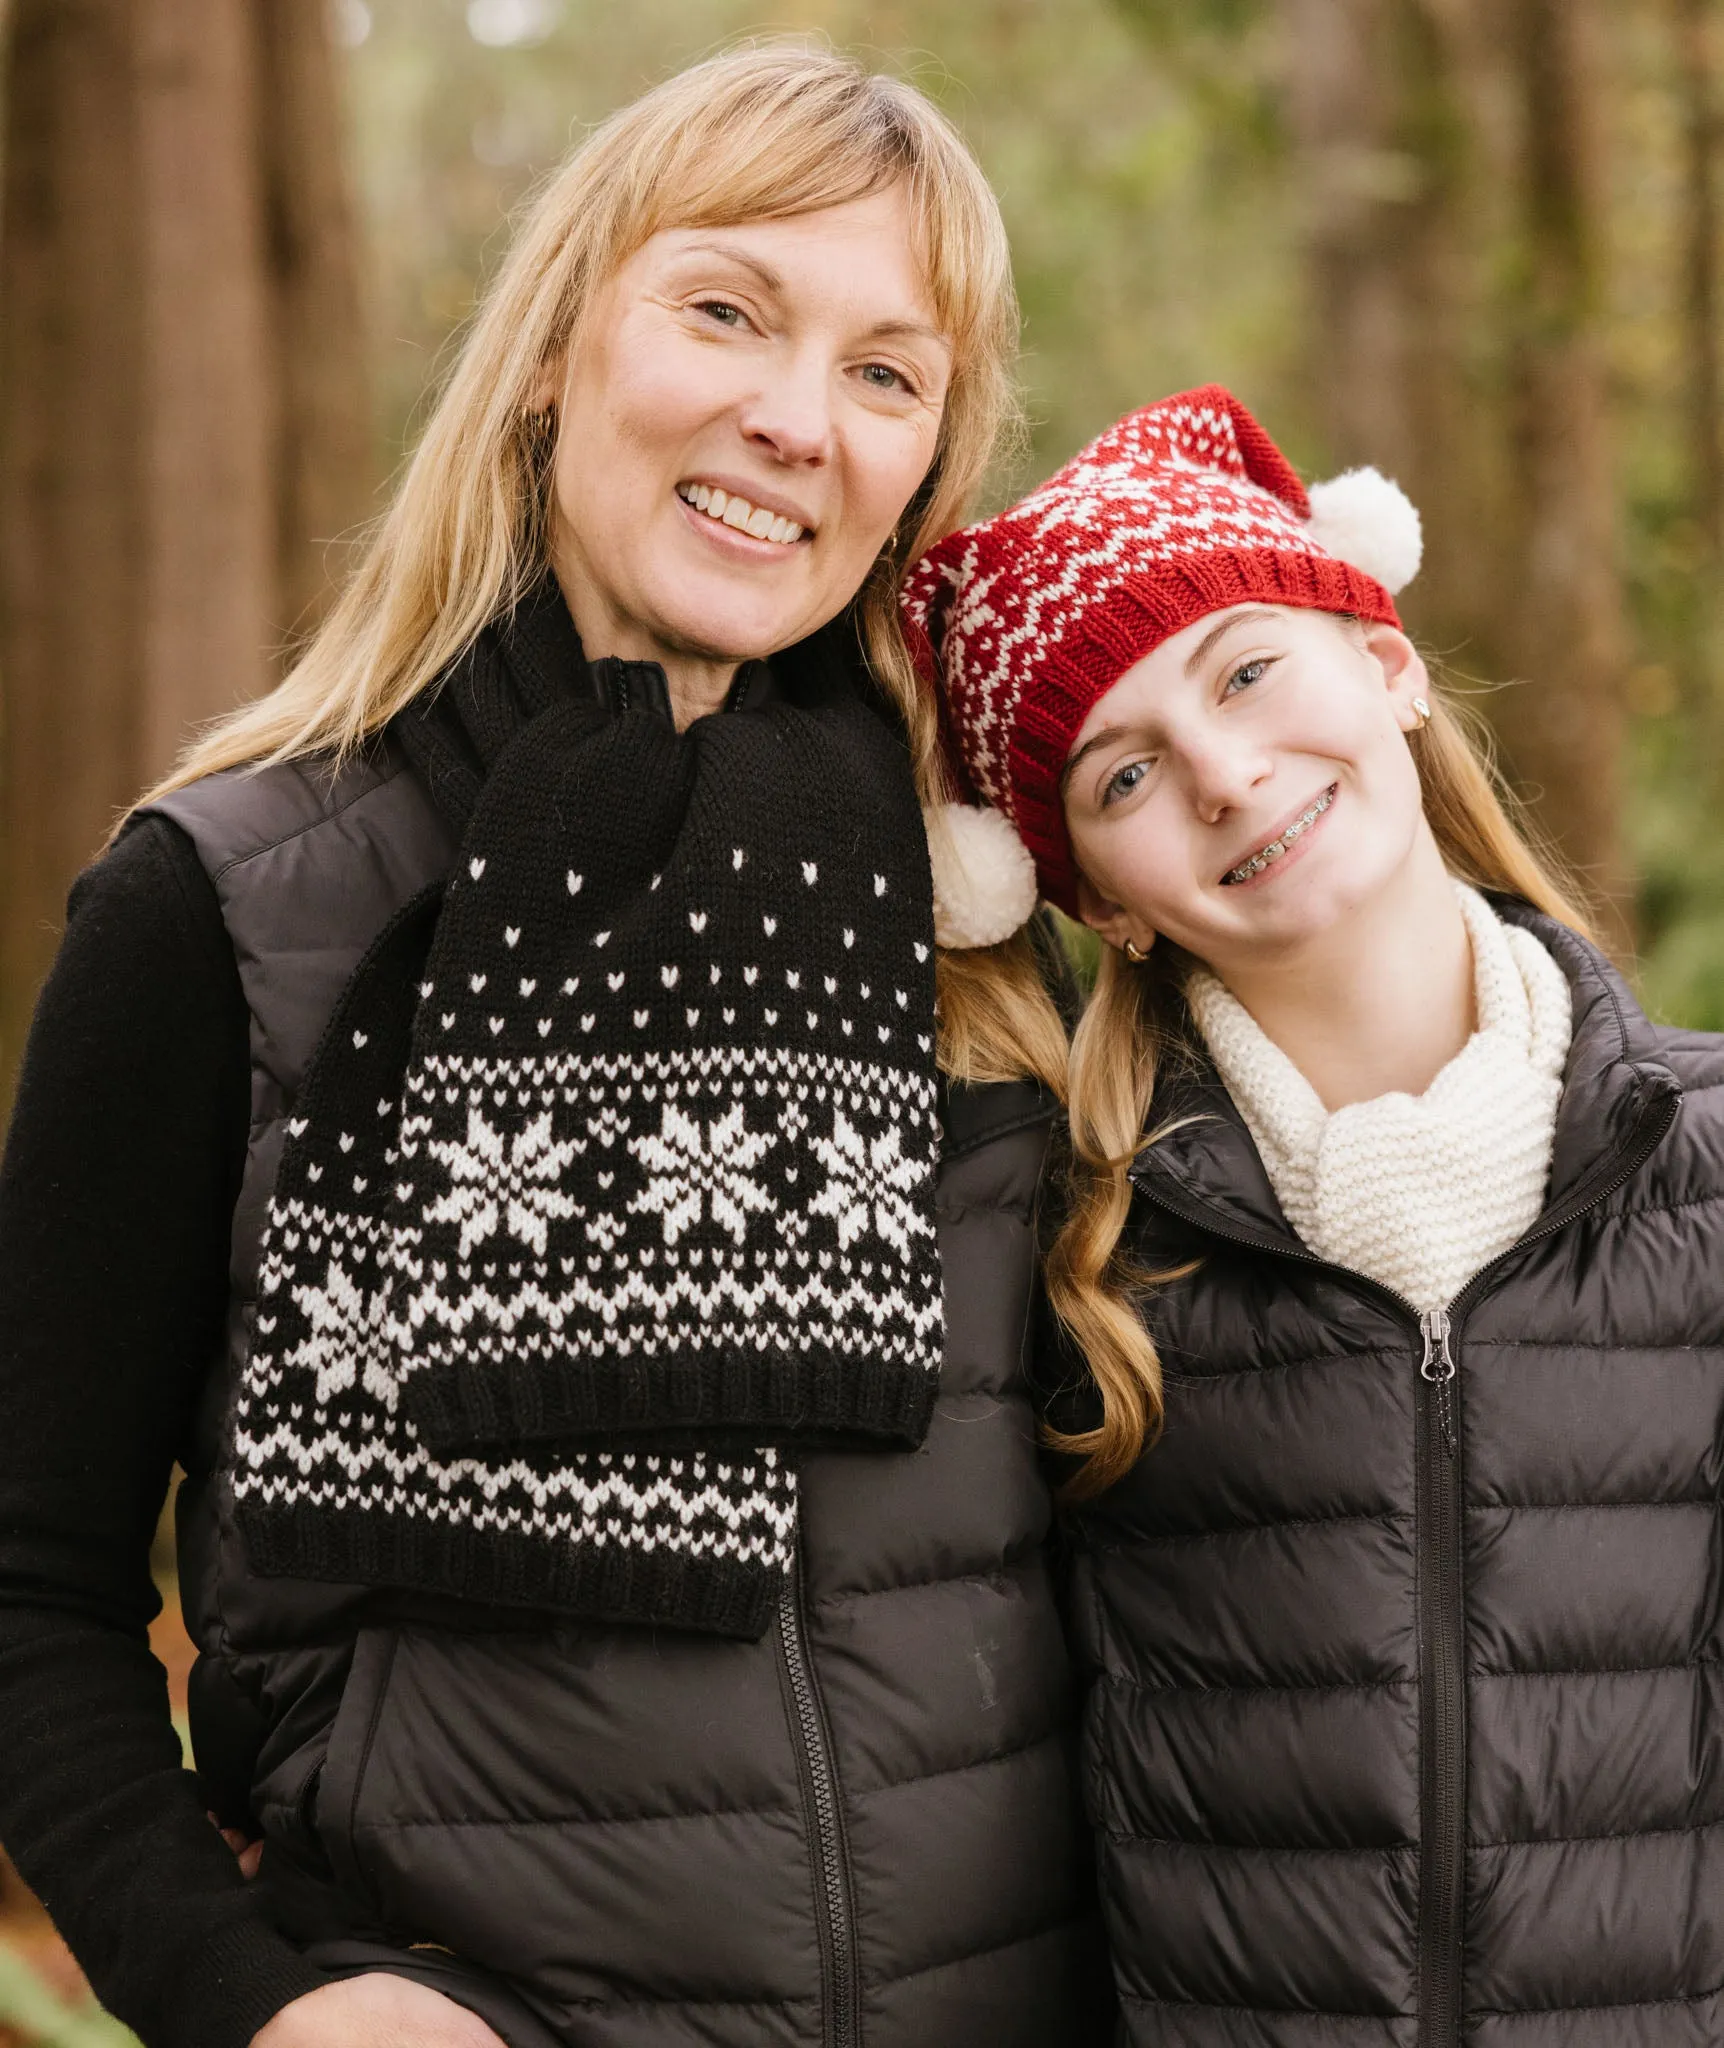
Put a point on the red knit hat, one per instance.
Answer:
(1182, 509)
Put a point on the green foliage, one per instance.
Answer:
(27, 2006)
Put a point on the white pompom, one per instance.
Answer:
(984, 878)
(1364, 518)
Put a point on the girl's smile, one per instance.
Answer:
(1293, 838)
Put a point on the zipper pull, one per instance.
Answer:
(1438, 1366)
(1438, 1362)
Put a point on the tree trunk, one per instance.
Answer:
(211, 396)
(1703, 135)
(183, 409)
(1378, 92)
(71, 465)
(326, 467)
(1492, 414)
(1564, 728)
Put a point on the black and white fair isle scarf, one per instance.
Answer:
(612, 1179)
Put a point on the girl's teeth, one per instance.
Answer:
(1265, 855)
(738, 512)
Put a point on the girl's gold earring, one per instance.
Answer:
(1423, 709)
(1133, 955)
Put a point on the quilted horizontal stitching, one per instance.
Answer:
(1213, 1691)
(579, 1820)
(1699, 1827)
(1268, 2012)
(325, 817)
(980, 1763)
(1127, 1835)
(1177, 1536)
(992, 1575)
(1663, 1208)
(971, 1955)
(1561, 1344)
(1600, 1670)
(1709, 1501)
(1303, 1363)
(1533, 2012)
(807, 2003)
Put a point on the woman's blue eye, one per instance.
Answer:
(1244, 676)
(722, 311)
(882, 376)
(1124, 780)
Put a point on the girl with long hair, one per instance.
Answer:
(1390, 1285)
(516, 1117)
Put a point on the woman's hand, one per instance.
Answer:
(248, 1853)
(375, 2011)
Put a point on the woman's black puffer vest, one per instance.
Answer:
(863, 1829)
(1396, 1743)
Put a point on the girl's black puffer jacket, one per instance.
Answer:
(1393, 1742)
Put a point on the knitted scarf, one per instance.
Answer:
(1417, 1192)
(612, 1178)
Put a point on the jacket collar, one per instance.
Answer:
(1618, 1099)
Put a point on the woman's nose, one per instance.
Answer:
(792, 414)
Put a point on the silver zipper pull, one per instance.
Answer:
(1438, 1366)
(1438, 1362)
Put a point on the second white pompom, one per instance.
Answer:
(984, 878)
(1365, 518)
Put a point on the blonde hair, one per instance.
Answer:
(1121, 1041)
(765, 131)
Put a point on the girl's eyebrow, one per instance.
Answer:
(1194, 660)
(1107, 735)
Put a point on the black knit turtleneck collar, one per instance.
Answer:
(521, 665)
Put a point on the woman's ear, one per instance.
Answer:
(547, 392)
(1405, 675)
(1111, 922)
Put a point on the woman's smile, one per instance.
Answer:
(762, 401)
(753, 517)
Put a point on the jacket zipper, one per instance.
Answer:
(842, 2026)
(1437, 1544)
(1442, 1688)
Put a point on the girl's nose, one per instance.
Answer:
(1223, 771)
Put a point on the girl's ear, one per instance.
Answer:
(1111, 922)
(1405, 676)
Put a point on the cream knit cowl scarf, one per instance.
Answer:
(1416, 1192)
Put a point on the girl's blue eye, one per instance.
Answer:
(1123, 781)
(1248, 673)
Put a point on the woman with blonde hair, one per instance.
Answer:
(513, 1117)
(1393, 1269)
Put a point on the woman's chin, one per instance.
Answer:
(731, 631)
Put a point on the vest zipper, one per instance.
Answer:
(1442, 1689)
(1441, 1627)
(842, 2021)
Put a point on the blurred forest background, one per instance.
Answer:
(1476, 242)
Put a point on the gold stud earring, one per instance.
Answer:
(1133, 955)
(1423, 710)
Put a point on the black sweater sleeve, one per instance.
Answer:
(116, 1192)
